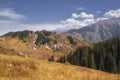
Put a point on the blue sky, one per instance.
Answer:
(57, 15)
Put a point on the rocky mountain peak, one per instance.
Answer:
(99, 31)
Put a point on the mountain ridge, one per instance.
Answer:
(41, 44)
(99, 31)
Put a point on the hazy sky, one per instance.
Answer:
(54, 14)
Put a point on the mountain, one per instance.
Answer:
(99, 31)
(20, 68)
(39, 44)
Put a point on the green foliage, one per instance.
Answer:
(42, 39)
(21, 34)
(91, 61)
(12, 34)
(24, 34)
(103, 56)
(71, 40)
(46, 33)
(62, 59)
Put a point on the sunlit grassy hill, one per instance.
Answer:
(40, 44)
(19, 68)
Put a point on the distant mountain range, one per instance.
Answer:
(99, 31)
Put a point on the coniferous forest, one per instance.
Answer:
(103, 56)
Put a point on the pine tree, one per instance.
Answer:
(103, 56)
(118, 67)
(108, 62)
(91, 62)
(114, 67)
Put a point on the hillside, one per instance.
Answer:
(104, 56)
(40, 44)
(19, 68)
(99, 31)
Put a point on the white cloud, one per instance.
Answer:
(11, 25)
(12, 22)
(79, 23)
(73, 23)
(37, 27)
(102, 18)
(82, 15)
(10, 14)
(88, 21)
(85, 15)
(112, 14)
(79, 20)
(74, 15)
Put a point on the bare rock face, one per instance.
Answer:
(101, 30)
(22, 55)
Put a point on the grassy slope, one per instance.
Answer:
(19, 68)
(19, 46)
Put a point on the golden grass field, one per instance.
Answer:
(19, 68)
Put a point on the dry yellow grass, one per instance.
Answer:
(19, 68)
(59, 45)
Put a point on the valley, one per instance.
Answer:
(59, 40)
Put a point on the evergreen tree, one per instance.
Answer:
(91, 62)
(103, 56)
(108, 62)
(114, 67)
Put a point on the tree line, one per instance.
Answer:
(103, 56)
